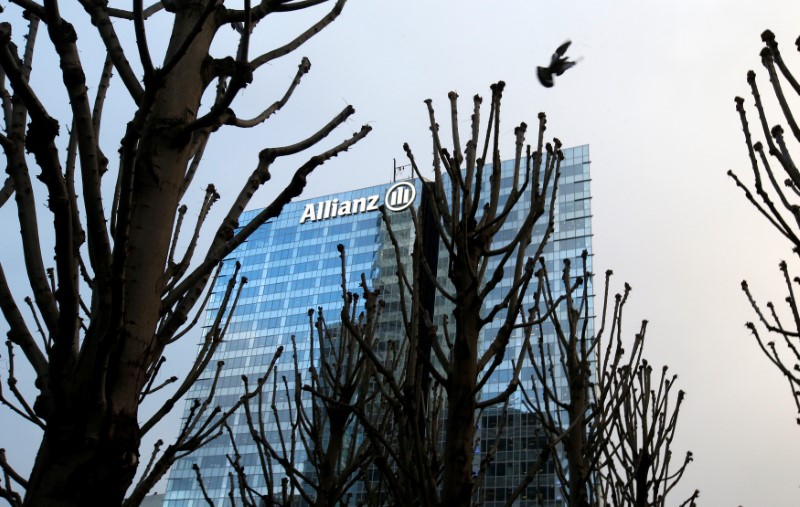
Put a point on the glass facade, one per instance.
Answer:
(292, 264)
(522, 437)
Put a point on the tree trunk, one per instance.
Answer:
(640, 475)
(460, 436)
(575, 443)
(75, 468)
(329, 492)
(89, 453)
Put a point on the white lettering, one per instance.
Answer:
(359, 203)
(308, 214)
(333, 208)
(373, 203)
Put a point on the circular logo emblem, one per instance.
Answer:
(400, 196)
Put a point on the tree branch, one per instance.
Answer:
(300, 39)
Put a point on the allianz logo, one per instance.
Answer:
(398, 197)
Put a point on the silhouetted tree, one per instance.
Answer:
(119, 292)
(775, 193)
(614, 430)
(578, 417)
(468, 212)
(638, 470)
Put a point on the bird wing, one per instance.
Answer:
(562, 49)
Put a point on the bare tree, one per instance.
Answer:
(469, 214)
(447, 366)
(119, 292)
(467, 211)
(774, 193)
(614, 432)
(582, 413)
(636, 471)
(633, 419)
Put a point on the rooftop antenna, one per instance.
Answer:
(397, 169)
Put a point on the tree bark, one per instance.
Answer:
(460, 440)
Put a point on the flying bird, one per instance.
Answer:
(558, 65)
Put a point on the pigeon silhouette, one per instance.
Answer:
(558, 65)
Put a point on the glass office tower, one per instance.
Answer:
(292, 264)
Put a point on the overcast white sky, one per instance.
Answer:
(653, 96)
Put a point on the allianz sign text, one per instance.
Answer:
(398, 197)
(333, 208)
